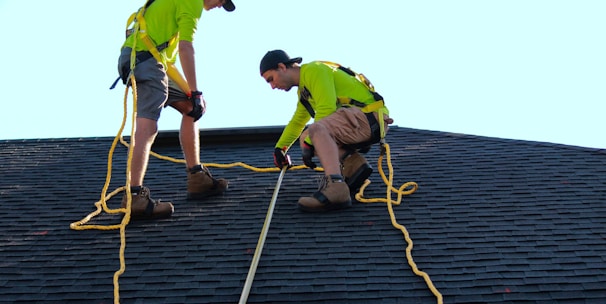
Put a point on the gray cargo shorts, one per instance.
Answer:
(155, 90)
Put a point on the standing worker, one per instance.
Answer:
(348, 114)
(167, 30)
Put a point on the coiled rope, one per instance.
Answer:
(405, 189)
(101, 205)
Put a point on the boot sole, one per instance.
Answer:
(325, 208)
(140, 217)
(151, 216)
(203, 195)
(148, 214)
(357, 179)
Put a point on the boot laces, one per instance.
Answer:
(322, 182)
(147, 194)
(205, 170)
(144, 192)
(200, 169)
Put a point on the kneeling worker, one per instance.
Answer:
(348, 114)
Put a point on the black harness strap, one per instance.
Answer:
(148, 3)
(304, 100)
(375, 128)
(354, 102)
(375, 136)
(140, 57)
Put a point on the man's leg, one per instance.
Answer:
(142, 205)
(200, 182)
(334, 192)
(145, 134)
(346, 126)
(189, 136)
(350, 127)
(326, 149)
(305, 133)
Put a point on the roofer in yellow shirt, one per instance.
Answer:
(166, 29)
(349, 116)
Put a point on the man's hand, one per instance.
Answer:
(281, 158)
(308, 151)
(199, 105)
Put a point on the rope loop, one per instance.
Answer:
(405, 189)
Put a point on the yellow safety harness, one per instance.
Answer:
(137, 25)
(101, 205)
(377, 106)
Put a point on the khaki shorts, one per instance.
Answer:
(154, 90)
(349, 126)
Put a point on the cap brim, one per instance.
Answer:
(229, 6)
(296, 59)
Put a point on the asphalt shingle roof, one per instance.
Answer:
(493, 221)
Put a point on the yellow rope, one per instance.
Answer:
(223, 166)
(411, 187)
(405, 189)
(101, 205)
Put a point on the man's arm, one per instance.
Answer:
(188, 63)
(294, 127)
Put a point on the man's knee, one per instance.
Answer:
(303, 136)
(146, 127)
(183, 107)
(315, 129)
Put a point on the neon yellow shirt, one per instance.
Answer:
(168, 19)
(325, 83)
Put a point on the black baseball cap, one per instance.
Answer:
(271, 60)
(229, 6)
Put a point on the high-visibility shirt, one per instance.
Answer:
(325, 84)
(167, 19)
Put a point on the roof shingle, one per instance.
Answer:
(493, 221)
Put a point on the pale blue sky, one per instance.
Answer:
(531, 70)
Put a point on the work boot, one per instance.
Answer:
(143, 206)
(333, 194)
(201, 184)
(355, 170)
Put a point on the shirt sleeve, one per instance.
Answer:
(188, 12)
(295, 126)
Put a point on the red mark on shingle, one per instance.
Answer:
(506, 290)
(249, 250)
(45, 232)
(369, 223)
